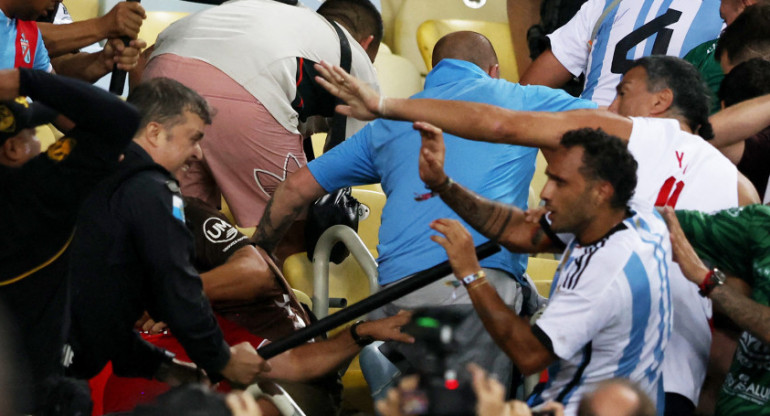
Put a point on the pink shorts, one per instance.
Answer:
(246, 152)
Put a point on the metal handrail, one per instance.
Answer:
(323, 249)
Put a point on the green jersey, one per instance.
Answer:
(737, 240)
(704, 59)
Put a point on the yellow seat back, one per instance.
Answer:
(397, 76)
(542, 271)
(429, 32)
(412, 13)
(156, 22)
(82, 9)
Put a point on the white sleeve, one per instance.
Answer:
(574, 316)
(570, 43)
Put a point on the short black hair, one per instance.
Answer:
(747, 37)
(747, 80)
(164, 101)
(606, 158)
(692, 97)
(360, 17)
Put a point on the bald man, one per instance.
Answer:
(465, 68)
(617, 397)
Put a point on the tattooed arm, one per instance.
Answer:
(290, 199)
(499, 222)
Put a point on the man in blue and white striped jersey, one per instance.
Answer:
(606, 36)
(609, 313)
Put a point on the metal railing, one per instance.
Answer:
(330, 237)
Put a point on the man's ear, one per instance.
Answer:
(14, 149)
(604, 192)
(663, 101)
(154, 133)
(494, 71)
(366, 42)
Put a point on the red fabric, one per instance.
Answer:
(122, 394)
(26, 43)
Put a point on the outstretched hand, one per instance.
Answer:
(387, 329)
(458, 243)
(692, 266)
(362, 102)
(431, 154)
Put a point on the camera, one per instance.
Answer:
(443, 389)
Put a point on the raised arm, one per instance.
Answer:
(290, 199)
(90, 67)
(503, 223)
(474, 121)
(125, 19)
(745, 312)
(511, 332)
(546, 70)
(740, 121)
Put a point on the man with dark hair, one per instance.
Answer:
(377, 154)
(748, 37)
(253, 61)
(676, 168)
(587, 333)
(750, 154)
(704, 56)
(605, 37)
(39, 200)
(133, 253)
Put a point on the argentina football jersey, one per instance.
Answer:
(609, 313)
(603, 38)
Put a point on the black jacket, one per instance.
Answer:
(132, 252)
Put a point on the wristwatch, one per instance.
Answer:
(714, 278)
(359, 340)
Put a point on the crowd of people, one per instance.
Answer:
(116, 257)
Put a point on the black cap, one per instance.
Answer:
(19, 114)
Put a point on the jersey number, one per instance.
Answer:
(669, 193)
(620, 62)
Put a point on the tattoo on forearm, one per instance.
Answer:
(537, 239)
(488, 217)
(268, 234)
(746, 313)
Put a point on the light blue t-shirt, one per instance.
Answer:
(387, 151)
(40, 59)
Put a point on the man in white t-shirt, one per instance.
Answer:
(253, 62)
(676, 168)
(605, 37)
(609, 313)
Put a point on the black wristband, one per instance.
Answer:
(359, 340)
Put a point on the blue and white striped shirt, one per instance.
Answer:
(633, 29)
(609, 313)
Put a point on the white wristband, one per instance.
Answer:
(381, 105)
(473, 277)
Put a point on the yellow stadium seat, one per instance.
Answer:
(541, 271)
(82, 9)
(156, 22)
(412, 13)
(539, 179)
(397, 76)
(369, 215)
(45, 134)
(429, 32)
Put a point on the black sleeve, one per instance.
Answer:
(546, 226)
(175, 291)
(138, 358)
(543, 338)
(215, 238)
(110, 120)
